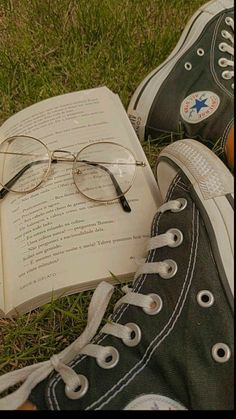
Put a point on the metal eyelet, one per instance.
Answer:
(222, 46)
(224, 33)
(171, 270)
(188, 66)
(228, 20)
(110, 359)
(232, 85)
(205, 298)
(135, 335)
(226, 75)
(221, 352)
(222, 62)
(82, 388)
(183, 204)
(178, 237)
(156, 305)
(200, 52)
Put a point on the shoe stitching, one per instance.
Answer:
(225, 135)
(183, 186)
(52, 385)
(192, 260)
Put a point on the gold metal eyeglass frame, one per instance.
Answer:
(54, 157)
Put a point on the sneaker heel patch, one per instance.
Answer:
(199, 106)
(154, 402)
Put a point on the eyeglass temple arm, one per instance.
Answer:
(122, 198)
(4, 191)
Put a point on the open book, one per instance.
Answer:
(54, 241)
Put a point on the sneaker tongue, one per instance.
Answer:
(165, 175)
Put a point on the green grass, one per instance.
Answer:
(52, 47)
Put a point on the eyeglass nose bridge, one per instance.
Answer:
(63, 155)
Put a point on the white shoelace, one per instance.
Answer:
(225, 47)
(34, 374)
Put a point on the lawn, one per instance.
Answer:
(52, 47)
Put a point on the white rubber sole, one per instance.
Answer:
(144, 95)
(214, 189)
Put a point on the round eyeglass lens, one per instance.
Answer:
(24, 163)
(104, 171)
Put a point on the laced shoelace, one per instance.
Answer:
(228, 47)
(107, 357)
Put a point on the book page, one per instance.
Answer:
(54, 237)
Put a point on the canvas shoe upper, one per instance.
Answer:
(192, 91)
(169, 342)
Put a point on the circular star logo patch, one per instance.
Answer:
(154, 402)
(199, 106)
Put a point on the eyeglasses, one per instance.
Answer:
(102, 171)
